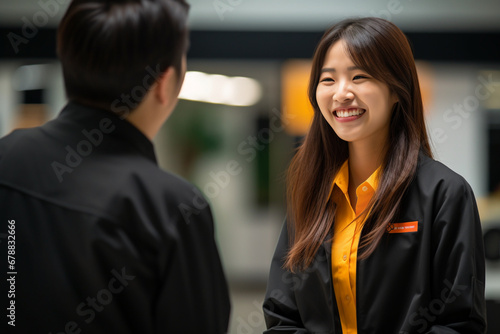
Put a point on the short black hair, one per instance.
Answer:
(110, 49)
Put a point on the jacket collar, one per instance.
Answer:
(88, 117)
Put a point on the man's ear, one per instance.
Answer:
(162, 89)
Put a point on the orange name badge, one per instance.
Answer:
(403, 227)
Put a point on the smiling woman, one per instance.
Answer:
(346, 92)
(377, 233)
(379, 52)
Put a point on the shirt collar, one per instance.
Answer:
(124, 130)
(341, 180)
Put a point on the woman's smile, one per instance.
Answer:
(348, 114)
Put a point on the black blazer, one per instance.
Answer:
(429, 281)
(106, 241)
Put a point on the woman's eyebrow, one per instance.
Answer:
(331, 69)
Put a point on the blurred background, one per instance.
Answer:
(244, 108)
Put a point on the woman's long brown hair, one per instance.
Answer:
(383, 51)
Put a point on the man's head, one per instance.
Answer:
(113, 51)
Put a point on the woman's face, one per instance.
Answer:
(357, 106)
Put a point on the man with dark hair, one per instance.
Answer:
(98, 238)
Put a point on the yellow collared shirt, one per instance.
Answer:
(345, 243)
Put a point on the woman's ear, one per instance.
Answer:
(394, 99)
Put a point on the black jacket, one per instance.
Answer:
(429, 281)
(105, 241)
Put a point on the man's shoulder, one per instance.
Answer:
(18, 137)
(164, 183)
(166, 195)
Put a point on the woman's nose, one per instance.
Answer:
(343, 92)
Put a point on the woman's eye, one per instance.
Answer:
(360, 76)
(327, 80)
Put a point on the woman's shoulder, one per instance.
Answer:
(433, 174)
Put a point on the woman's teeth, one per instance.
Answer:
(349, 113)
